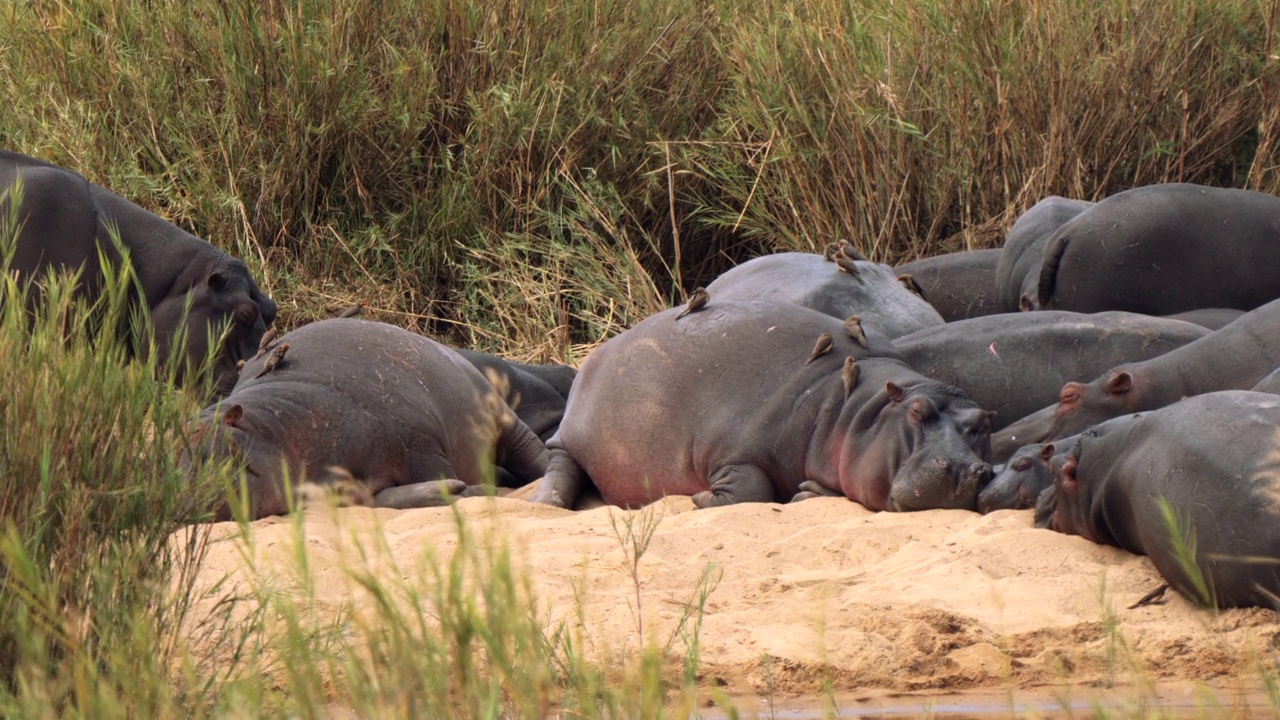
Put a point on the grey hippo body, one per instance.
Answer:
(722, 405)
(1018, 272)
(397, 412)
(1164, 249)
(1233, 358)
(1019, 483)
(807, 280)
(537, 393)
(66, 221)
(1215, 461)
(1015, 363)
(958, 285)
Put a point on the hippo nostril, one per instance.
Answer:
(940, 462)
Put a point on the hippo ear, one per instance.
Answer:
(1047, 451)
(1120, 383)
(216, 282)
(895, 392)
(232, 415)
(1069, 479)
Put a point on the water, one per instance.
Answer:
(1174, 700)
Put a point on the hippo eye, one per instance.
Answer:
(1022, 464)
(246, 315)
(916, 413)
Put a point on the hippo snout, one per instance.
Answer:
(939, 482)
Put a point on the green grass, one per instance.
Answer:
(609, 156)
(528, 178)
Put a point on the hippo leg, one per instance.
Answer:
(810, 489)
(564, 481)
(418, 495)
(521, 454)
(734, 484)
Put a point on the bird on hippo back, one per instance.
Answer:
(199, 299)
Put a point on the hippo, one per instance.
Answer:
(958, 285)
(397, 412)
(192, 289)
(1163, 249)
(1018, 272)
(1233, 358)
(1269, 384)
(1205, 471)
(1212, 318)
(808, 280)
(537, 393)
(759, 401)
(1015, 363)
(1018, 483)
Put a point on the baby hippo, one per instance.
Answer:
(401, 414)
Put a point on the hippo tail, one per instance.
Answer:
(1054, 249)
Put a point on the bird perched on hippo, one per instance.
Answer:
(398, 412)
(192, 289)
(758, 401)
(1194, 486)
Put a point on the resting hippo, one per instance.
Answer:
(958, 285)
(1269, 384)
(394, 410)
(1165, 249)
(1015, 363)
(1212, 318)
(536, 392)
(1019, 482)
(758, 401)
(1233, 358)
(65, 221)
(1018, 272)
(806, 279)
(1215, 460)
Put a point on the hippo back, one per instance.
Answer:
(1015, 363)
(807, 280)
(1164, 249)
(1018, 272)
(958, 285)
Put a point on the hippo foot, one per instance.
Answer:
(547, 495)
(810, 489)
(419, 495)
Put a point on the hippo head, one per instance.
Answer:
(1021, 481)
(1071, 506)
(221, 311)
(1079, 407)
(221, 436)
(926, 447)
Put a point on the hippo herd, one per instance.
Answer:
(1113, 366)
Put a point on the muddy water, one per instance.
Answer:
(1174, 700)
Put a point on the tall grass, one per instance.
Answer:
(608, 156)
(91, 494)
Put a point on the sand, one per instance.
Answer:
(824, 591)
